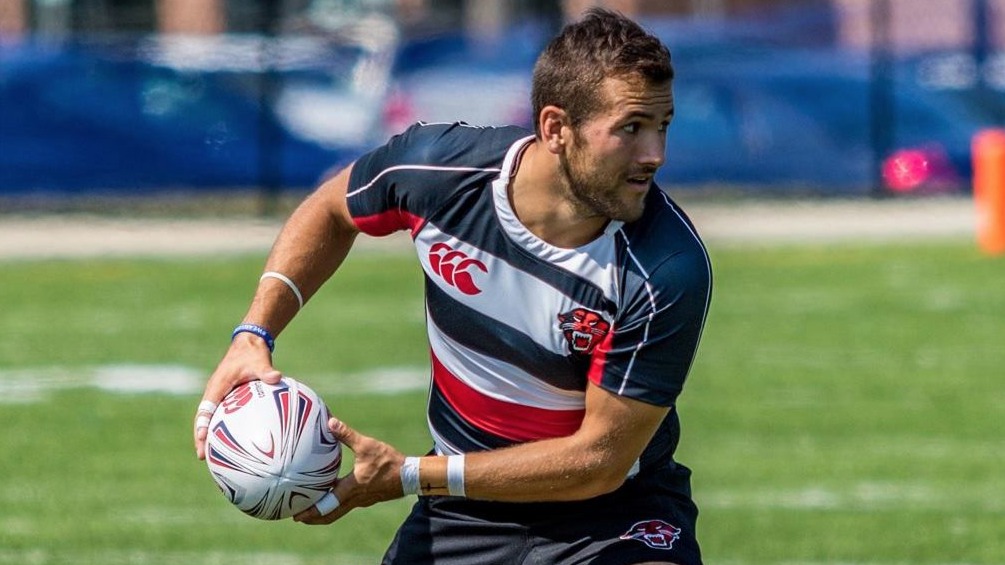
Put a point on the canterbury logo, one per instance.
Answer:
(236, 400)
(455, 268)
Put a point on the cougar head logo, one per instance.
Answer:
(583, 329)
(657, 534)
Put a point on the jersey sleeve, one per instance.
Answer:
(652, 344)
(400, 184)
(381, 199)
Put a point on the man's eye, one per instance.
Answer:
(631, 128)
(664, 126)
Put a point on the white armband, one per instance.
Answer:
(455, 475)
(410, 476)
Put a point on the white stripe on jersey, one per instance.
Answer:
(497, 379)
(440, 445)
(501, 284)
(389, 170)
(456, 124)
(594, 261)
(652, 297)
(708, 265)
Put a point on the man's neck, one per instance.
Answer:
(543, 205)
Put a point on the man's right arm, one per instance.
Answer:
(310, 248)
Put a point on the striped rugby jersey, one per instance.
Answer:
(517, 326)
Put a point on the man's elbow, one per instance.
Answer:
(602, 486)
(602, 478)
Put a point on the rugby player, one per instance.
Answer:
(566, 295)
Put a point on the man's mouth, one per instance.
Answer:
(640, 180)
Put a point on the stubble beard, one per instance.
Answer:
(596, 195)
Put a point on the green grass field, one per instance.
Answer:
(847, 406)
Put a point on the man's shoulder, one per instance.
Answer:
(665, 237)
(455, 143)
(459, 154)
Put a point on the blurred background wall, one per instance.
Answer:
(830, 97)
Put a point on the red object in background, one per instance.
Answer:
(925, 169)
(989, 189)
(399, 112)
(906, 170)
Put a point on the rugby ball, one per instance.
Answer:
(269, 448)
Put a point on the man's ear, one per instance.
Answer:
(555, 128)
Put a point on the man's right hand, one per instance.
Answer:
(247, 359)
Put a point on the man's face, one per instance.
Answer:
(609, 165)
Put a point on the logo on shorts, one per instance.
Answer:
(657, 534)
(583, 329)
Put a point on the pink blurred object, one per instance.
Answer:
(919, 170)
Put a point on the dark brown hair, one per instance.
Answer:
(603, 44)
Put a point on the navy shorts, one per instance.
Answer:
(635, 524)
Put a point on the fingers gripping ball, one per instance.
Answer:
(269, 448)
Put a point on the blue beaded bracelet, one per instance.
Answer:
(257, 330)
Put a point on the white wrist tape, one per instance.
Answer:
(455, 475)
(410, 476)
(204, 413)
(202, 422)
(285, 279)
(328, 503)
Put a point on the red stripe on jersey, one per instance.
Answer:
(504, 419)
(599, 358)
(388, 222)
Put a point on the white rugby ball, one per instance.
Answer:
(269, 448)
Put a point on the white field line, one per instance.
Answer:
(865, 496)
(47, 556)
(36, 384)
(61, 237)
(41, 556)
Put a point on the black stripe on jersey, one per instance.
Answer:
(481, 229)
(455, 430)
(491, 338)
